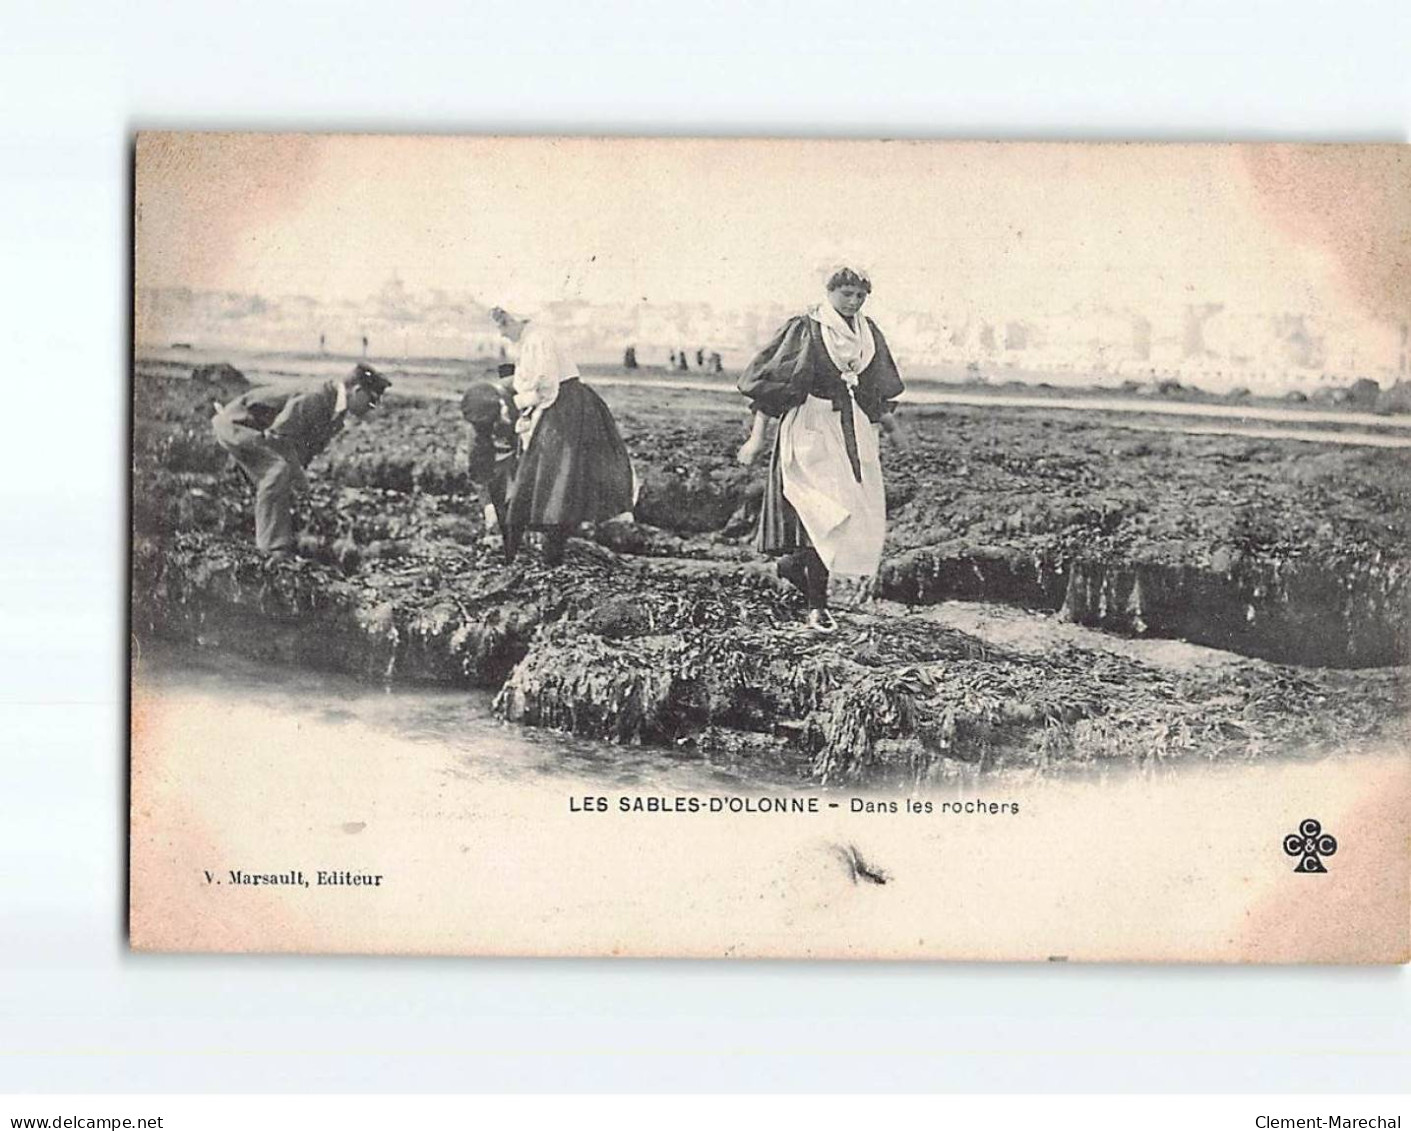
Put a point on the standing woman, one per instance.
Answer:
(573, 466)
(831, 380)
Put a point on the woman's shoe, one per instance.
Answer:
(821, 620)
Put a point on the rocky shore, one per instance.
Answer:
(670, 631)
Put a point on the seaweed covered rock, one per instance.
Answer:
(172, 426)
(1285, 551)
(1121, 531)
(960, 570)
(408, 445)
(691, 499)
(675, 634)
(1345, 610)
(898, 699)
(697, 662)
(460, 617)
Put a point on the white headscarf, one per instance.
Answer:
(851, 348)
(836, 267)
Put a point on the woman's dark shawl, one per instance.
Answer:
(795, 363)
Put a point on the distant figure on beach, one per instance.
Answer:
(717, 363)
(700, 358)
(488, 408)
(272, 433)
(629, 358)
(573, 466)
(364, 345)
(321, 347)
(831, 380)
(672, 364)
(681, 364)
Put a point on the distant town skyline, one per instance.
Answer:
(1223, 347)
(977, 250)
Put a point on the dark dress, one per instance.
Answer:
(794, 366)
(576, 467)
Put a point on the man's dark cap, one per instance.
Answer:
(481, 403)
(370, 379)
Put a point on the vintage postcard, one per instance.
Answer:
(771, 548)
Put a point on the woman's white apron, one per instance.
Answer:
(846, 520)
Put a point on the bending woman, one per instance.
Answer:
(830, 378)
(573, 466)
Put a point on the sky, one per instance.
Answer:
(998, 229)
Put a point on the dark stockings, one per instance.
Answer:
(552, 539)
(555, 538)
(805, 564)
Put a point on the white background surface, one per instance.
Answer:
(77, 1012)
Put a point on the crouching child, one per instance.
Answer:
(488, 409)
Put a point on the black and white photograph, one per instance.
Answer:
(770, 548)
(706, 565)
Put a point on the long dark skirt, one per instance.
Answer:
(779, 530)
(576, 468)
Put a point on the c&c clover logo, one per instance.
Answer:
(1311, 843)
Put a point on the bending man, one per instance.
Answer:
(272, 433)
